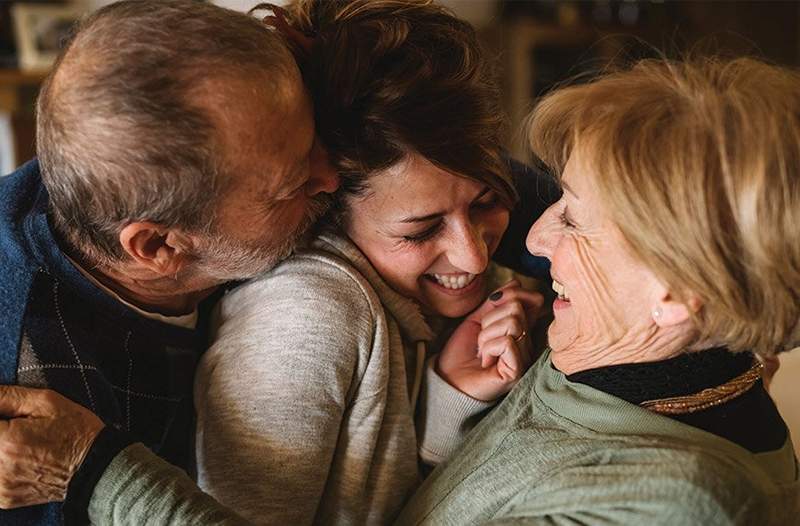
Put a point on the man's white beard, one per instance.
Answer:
(221, 258)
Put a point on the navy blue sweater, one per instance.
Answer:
(58, 330)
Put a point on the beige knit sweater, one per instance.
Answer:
(306, 400)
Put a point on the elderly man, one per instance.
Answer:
(176, 152)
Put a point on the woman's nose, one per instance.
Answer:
(469, 251)
(543, 235)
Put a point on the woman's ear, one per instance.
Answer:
(669, 312)
(164, 251)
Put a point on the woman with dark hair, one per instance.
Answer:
(325, 385)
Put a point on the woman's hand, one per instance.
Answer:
(490, 351)
(42, 445)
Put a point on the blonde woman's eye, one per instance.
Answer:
(565, 220)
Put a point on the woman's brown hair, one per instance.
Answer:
(391, 78)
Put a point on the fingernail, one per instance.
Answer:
(496, 295)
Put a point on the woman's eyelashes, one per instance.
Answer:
(487, 201)
(565, 219)
(425, 235)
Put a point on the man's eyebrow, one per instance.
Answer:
(422, 219)
(566, 187)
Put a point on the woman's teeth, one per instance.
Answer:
(454, 281)
(560, 290)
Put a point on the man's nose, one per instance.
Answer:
(323, 178)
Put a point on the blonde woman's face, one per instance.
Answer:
(606, 296)
(429, 234)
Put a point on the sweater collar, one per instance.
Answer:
(589, 408)
(682, 375)
(406, 311)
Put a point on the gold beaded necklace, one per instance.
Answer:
(711, 397)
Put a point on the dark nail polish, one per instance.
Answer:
(496, 295)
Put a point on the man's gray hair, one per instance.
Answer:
(120, 136)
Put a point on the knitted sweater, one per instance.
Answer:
(558, 452)
(60, 331)
(306, 399)
(306, 403)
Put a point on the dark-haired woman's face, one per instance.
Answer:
(429, 233)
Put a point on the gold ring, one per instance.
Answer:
(521, 336)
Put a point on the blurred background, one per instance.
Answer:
(534, 44)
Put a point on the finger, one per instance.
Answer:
(477, 315)
(508, 326)
(506, 355)
(533, 302)
(512, 309)
(530, 299)
(494, 299)
(17, 401)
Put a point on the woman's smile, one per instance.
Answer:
(429, 233)
(455, 284)
(562, 300)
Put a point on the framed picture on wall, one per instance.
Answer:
(40, 31)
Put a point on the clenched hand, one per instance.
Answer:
(42, 444)
(490, 351)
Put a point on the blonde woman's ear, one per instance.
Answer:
(669, 312)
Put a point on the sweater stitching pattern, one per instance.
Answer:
(128, 388)
(39, 367)
(71, 346)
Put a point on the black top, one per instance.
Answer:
(750, 420)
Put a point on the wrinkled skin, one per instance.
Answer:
(42, 450)
(612, 295)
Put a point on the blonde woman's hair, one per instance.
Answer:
(698, 164)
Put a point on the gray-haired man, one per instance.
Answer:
(176, 152)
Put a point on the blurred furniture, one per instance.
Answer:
(537, 54)
(17, 122)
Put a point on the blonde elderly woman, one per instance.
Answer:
(675, 253)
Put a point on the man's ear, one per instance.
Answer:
(669, 312)
(165, 251)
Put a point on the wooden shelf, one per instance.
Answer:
(17, 95)
(15, 77)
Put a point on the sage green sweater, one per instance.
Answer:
(553, 453)
(557, 453)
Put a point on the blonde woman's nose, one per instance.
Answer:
(543, 235)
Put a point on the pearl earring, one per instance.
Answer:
(657, 312)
